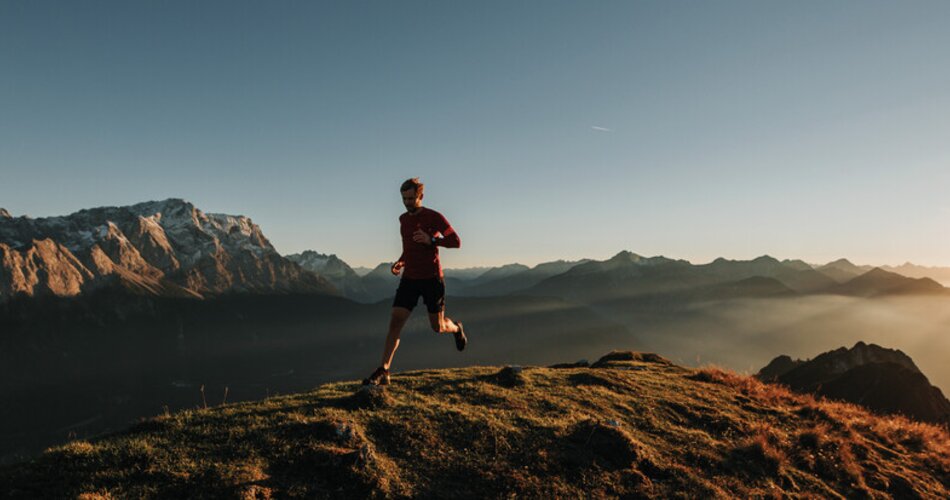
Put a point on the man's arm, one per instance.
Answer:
(397, 266)
(401, 261)
(449, 239)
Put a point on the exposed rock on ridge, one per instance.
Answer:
(165, 247)
(884, 380)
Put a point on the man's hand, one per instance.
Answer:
(397, 267)
(420, 236)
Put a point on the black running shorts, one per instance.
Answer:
(432, 291)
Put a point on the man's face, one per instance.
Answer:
(411, 200)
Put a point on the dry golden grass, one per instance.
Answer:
(635, 425)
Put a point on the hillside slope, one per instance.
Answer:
(880, 379)
(631, 424)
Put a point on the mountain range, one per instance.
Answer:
(164, 248)
(844, 270)
(628, 279)
(171, 248)
(628, 275)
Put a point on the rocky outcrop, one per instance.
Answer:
(778, 367)
(160, 247)
(884, 380)
(43, 267)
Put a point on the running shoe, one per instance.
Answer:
(460, 338)
(379, 377)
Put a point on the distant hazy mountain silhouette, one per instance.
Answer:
(796, 275)
(468, 273)
(877, 282)
(331, 267)
(380, 282)
(625, 274)
(940, 274)
(884, 380)
(843, 270)
(501, 272)
(512, 281)
(628, 276)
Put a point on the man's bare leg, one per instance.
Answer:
(441, 323)
(397, 320)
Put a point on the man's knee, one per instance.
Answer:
(400, 313)
(398, 317)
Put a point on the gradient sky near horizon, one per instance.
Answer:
(542, 129)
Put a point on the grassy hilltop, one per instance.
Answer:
(631, 424)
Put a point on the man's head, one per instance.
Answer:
(412, 194)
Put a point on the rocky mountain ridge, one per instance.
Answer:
(168, 248)
(628, 274)
(881, 379)
(171, 248)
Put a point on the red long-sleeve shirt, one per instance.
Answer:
(422, 260)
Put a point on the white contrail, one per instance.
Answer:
(601, 129)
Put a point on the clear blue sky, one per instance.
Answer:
(543, 130)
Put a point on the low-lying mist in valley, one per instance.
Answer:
(745, 334)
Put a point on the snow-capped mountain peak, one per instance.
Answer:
(169, 241)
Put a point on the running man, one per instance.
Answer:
(423, 231)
